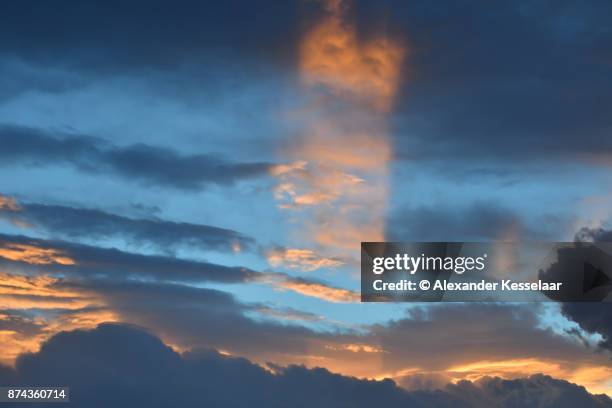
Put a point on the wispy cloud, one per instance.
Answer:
(97, 225)
(149, 165)
(306, 260)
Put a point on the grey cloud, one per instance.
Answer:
(535, 391)
(197, 317)
(150, 165)
(593, 318)
(594, 235)
(92, 224)
(433, 339)
(479, 221)
(536, 85)
(101, 37)
(459, 333)
(287, 313)
(94, 262)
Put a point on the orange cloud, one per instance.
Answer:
(332, 56)
(356, 348)
(320, 291)
(596, 378)
(15, 343)
(338, 166)
(8, 203)
(303, 259)
(24, 292)
(34, 255)
(41, 293)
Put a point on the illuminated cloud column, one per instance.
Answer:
(338, 176)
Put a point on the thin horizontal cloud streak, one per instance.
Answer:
(306, 260)
(94, 225)
(146, 164)
(90, 261)
(319, 290)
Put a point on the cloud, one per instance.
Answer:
(459, 341)
(78, 261)
(8, 204)
(594, 235)
(584, 269)
(33, 254)
(288, 313)
(34, 308)
(455, 341)
(556, 95)
(593, 318)
(334, 57)
(37, 292)
(89, 262)
(473, 98)
(150, 165)
(477, 221)
(305, 260)
(164, 38)
(123, 366)
(340, 159)
(319, 290)
(96, 225)
(191, 317)
(537, 390)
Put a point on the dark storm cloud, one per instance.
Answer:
(479, 221)
(482, 80)
(150, 165)
(113, 35)
(593, 318)
(123, 366)
(507, 81)
(82, 223)
(592, 283)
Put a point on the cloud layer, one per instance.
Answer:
(141, 370)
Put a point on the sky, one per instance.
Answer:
(196, 178)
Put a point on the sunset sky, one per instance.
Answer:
(206, 173)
